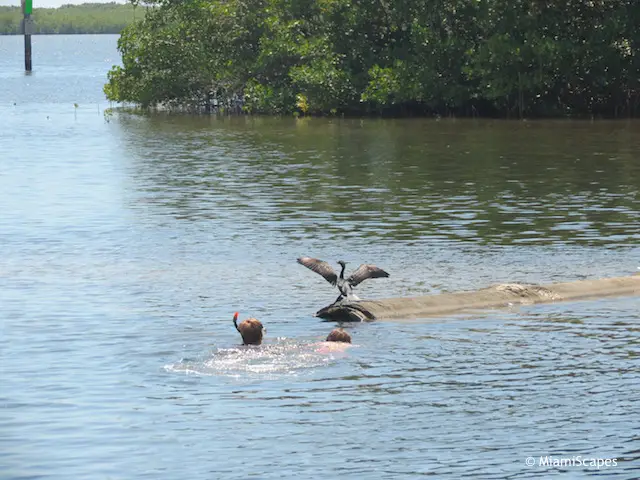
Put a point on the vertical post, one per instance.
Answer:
(27, 9)
(27, 47)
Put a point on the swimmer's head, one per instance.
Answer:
(251, 330)
(339, 335)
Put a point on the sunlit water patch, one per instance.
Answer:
(285, 357)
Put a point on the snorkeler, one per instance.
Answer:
(339, 335)
(337, 341)
(251, 330)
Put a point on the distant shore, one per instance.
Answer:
(87, 18)
(59, 33)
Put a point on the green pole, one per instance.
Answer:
(27, 9)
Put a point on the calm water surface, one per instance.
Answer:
(129, 241)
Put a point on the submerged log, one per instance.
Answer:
(503, 295)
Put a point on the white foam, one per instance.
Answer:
(282, 358)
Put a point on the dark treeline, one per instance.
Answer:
(86, 18)
(460, 57)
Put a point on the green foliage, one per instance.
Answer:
(384, 86)
(488, 57)
(85, 18)
(324, 85)
(184, 54)
(261, 98)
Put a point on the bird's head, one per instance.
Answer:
(342, 263)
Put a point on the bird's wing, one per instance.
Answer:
(365, 271)
(321, 267)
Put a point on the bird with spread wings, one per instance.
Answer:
(345, 285)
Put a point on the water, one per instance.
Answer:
(129, 241)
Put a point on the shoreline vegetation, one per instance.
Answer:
(87, 18)
(463, 58)
(489, 58)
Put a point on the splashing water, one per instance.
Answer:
(285, 357)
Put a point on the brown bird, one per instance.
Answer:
(251, 330)
(339, 335)
(344, 285)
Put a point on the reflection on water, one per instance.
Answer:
(396, 180)
(128, 243)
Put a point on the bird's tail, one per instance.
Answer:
(235, 320)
